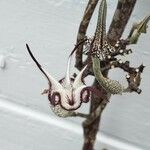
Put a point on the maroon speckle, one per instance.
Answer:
(85, 95)
(55, 98)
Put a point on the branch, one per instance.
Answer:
(82, 31)
(137, 29)
(123, 12)
(120, 19)
(91, 125)
(133, 77)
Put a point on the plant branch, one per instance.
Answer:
(98, 104)
(120, 19)
(82, 31)
(91, 124)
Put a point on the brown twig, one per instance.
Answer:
(120, 19)
(133, 77)
(123, 12)
(91, 125)
(82, 31)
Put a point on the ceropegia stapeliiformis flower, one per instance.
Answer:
(67, 95)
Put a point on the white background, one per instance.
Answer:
(50, 28)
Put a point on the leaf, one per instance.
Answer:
(137, 29)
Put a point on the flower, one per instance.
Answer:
(67, 93)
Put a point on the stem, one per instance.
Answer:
(82, 31)
(91, 125)
(120, 19)
(123, 12)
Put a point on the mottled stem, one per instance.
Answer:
(120, 19)
(123, 12)
(91, 124)
(82, 31)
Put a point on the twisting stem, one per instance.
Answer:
(82, 31)
(123, 12)
(121, 16)
(91, 125)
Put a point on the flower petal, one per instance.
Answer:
(54, 84)
(67, 81)
(78, 80)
